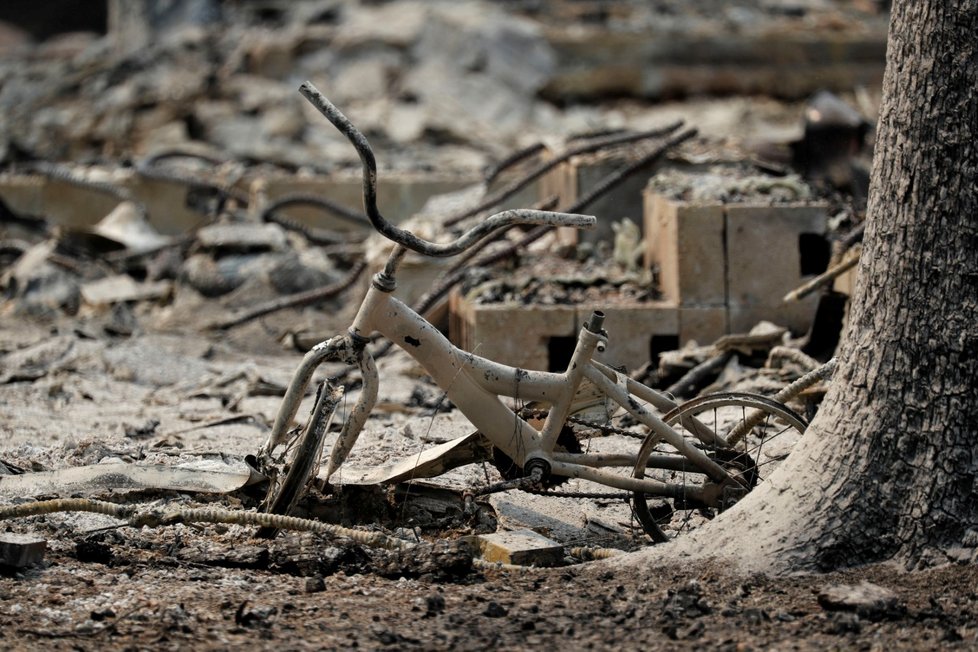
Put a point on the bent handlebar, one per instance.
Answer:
(406, 238)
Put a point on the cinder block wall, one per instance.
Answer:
(741, 258)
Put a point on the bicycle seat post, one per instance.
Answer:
(595, 323)
(590, 339)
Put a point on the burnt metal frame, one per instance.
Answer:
(473, 383)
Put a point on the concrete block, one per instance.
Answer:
(846, 284)
(520, 547)
(580, 174)
(686, 243)
(21, 550)
(704, 325)
(543, 337)
(69, 205)
(764, 250)
(510, 334)
(399, 197)
(559, 183)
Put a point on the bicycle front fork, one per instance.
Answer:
(348, 349)
(358, 415)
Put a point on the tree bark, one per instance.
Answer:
(887, 470)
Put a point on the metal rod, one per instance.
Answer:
(305, 199)
(511, 160)
(591, 146)
(824, 278)
(307, 298)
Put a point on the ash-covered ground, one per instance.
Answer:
(127, 340)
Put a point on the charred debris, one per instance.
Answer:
(163, 176)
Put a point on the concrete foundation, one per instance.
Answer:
(722, 268)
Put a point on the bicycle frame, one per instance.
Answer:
(475, 385)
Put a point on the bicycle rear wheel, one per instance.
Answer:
(292, 464)
(771, 430)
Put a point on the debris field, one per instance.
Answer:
(178, 227)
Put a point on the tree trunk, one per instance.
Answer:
(888, 468)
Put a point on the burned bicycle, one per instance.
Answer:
(688, 455)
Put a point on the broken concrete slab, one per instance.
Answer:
(206, 476)
(37, 360)
(126, 224)
(866, 599)
(519, 547)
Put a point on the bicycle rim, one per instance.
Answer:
(751, 459)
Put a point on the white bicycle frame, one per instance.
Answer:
(474, 385)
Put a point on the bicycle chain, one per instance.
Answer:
(606, 428)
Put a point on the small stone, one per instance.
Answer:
(866, 599)
(845, 623)
(315, 585)
(435, 604)
(88, 551)
(495, 610)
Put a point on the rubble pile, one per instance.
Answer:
(412, 72)
(465, 78)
